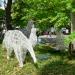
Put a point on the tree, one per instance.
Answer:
(46, 12)
(8, 15)
(73, 16)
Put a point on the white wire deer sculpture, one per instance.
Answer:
(15, 40)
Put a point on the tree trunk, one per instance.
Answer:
(8, 15)
(70, 50)
(72, 21)
(73, 17)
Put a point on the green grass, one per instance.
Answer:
(56, 64)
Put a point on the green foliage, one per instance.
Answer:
(70, 38)
(1, 15)
(47, 13)
(73, 5)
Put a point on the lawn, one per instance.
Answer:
(56, 64)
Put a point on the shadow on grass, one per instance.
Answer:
(58, 68)
(47, 49)
(59, 64)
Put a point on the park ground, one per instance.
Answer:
(56, 64)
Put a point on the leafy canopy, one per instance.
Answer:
(46, 13)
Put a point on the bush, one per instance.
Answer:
(70, 38)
